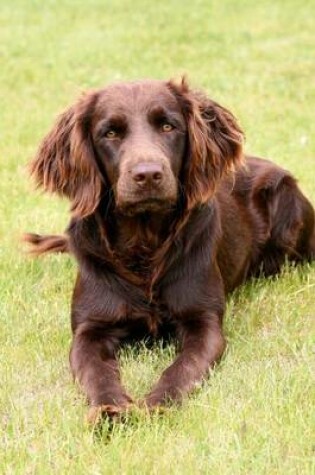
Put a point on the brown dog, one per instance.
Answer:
(167, 217)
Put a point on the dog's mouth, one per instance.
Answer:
(149, 205)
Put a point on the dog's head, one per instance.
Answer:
(145, 141)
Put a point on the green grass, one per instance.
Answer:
(255, 414)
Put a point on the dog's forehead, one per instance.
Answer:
(133, 97)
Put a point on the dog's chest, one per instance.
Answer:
(137, 253)
(139, 261)
(151, 320)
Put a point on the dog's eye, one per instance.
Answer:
(111, 134)
(167, 127)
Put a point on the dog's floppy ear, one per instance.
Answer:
(65, 162)
(215, 143)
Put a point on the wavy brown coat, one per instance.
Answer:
(167, 218)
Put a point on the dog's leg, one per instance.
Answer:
(202, 344)
(306, 246)
(94, 365)
(292, 221)
(290, 218)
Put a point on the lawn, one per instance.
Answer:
(255, 414)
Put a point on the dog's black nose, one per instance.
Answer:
(147, 174)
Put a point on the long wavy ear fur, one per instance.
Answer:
(215, 143)
(65, 161)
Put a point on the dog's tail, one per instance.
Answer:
(46, 244)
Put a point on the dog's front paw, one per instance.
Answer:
(158, 401)
(97, 414)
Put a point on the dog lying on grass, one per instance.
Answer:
(167, 217)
